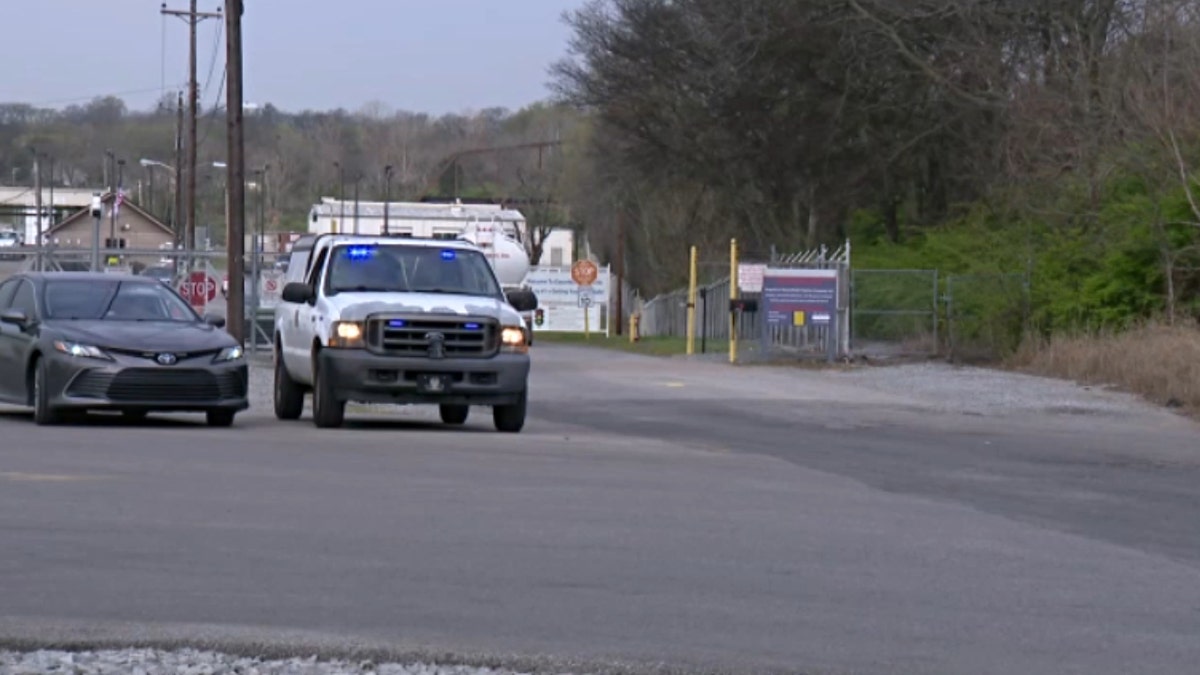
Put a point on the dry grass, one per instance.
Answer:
(1159, 362)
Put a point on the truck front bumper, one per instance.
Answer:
(361, 376)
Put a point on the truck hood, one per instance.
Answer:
(358, 306)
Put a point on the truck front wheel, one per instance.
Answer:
(510, 418)
(328, 411)
(289, 397)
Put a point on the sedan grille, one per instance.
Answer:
(159, 385)
(458, 337)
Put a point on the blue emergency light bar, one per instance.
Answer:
(360, 252)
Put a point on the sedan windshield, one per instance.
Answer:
(414, 269)
(114, 301)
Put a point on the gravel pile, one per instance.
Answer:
(193, 662)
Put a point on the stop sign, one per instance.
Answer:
(198, 289)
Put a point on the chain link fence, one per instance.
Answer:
(665, 315)
(200, 277)
(894, 312)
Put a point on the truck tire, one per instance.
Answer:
(510, 418)
(454, 415)
(289, 396)
(328, 411)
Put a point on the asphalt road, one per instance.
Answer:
(654, 513)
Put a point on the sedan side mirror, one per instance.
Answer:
(522, 300)
(214, 320)
(297, 292)
(15, 317)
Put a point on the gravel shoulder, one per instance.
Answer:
(982, 391)
(197, 662)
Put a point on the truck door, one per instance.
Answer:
(298, 349)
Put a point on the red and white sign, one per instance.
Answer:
(750, 277)
(199, 289)
(270, 291)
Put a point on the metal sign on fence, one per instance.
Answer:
(797, 297)
(270, 290)
(750, 277)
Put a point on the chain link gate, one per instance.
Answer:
(986, 315)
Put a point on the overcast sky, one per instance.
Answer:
(432, 56)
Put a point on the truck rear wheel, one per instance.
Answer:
(454, 414)
(510, 418)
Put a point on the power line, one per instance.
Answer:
(192, 17)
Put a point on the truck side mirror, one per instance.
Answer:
(297, 292)
(522, 300)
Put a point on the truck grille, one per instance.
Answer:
(461, 337)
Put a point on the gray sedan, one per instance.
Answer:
(74, 342)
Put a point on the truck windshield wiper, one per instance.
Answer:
(365, 289)
(444, 291)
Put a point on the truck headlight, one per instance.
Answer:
(514, 340)
(346, 335)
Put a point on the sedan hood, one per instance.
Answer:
(144, 335)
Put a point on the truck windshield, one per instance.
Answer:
(412, 269)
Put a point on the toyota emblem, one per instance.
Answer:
(166, 359)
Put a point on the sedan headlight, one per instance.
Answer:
(230, 354)
(81, 350)
(346, 335)
(514, 340)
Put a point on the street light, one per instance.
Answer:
(341, 195)
(387, 196)
(150, 163)
(175, 212)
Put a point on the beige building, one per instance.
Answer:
(134, 229)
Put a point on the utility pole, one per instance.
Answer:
(177, 217)
(192, 17)
(52, 222)
(112, 209)
(235, 241)
(620, 301)
(387, 196)
(37, 200)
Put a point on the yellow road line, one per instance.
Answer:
(43, 477)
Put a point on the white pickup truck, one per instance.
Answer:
(399, 320)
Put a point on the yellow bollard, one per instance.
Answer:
(691, 306)
(733, 295)
(633, 327)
